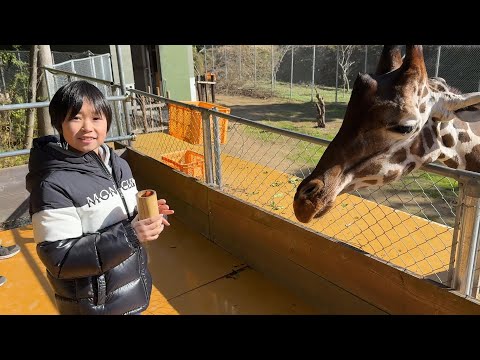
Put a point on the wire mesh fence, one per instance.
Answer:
(272, 70)
(14, 83)
(409, 223)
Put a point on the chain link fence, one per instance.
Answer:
(409, 223)
(14, 78)
(273, 70)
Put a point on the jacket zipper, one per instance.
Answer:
(111, 177)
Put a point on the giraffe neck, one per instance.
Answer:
(459, 144)
(455, 143)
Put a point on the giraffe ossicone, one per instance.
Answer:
(397, 120)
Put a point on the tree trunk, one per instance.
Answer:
(32, 96)
(320, 106)
(44, 59)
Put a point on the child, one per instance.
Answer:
(82, 204)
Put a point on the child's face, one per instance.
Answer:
(86, 131)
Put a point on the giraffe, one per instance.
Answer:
(397, 120)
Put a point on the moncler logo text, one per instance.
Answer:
(111, 191)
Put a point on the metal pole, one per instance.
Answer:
(123, 89)
(3, 77)
(92, 64)
(213, 60)
(273, 71)
(103, 69)
(240, 63)
(226, 67)
(291, 74)
(117, 115)
(207, 148)
(255, 65)
(27, 151)
(466, 237)
(336, 79)
(313, 74)
(366, 58)
(205, 57)
(437, 65)
(216, 150)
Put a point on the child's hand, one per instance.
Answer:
(149, 229)
(164, 209)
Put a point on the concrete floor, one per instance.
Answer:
(191, 275)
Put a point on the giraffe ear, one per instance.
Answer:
(465, 107)
(469, 114)
(460, 102)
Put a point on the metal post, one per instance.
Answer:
(273, 71)
(213, 60)
(216, 151)
(366, 58)
(117, 115)
(291, 75)
(3, 78)
(336, 79)
(205, 57)
(240, 63)
(226, 67)
(255, 66)
(313, 74)
(92, 64)
(123, 89)
(437, 65)
(103, 69)
(465, 248)
(207, 148)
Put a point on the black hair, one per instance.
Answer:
(68, 101)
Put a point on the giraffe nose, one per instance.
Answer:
(311, 188)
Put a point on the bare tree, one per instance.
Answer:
(281, 51)
(32, 97)
(320, 106)
(345, 63)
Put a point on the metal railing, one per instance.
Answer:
(453, 217)
(244, 168)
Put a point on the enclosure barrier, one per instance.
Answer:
(224, 162)
(458, 238)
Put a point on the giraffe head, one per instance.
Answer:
(389, 129)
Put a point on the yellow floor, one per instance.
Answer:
(405, 240)
(191, 275)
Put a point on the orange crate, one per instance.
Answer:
(186, 124)
(187, 161)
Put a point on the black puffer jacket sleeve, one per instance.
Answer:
(91, 254)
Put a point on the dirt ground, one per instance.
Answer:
(277, 109)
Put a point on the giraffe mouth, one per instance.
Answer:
(324, 210)
(309, 210)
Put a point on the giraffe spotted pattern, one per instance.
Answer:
(397, 120)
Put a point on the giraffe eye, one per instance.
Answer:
(402, 129)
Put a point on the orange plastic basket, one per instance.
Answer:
(186, 124)
(187, 161)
